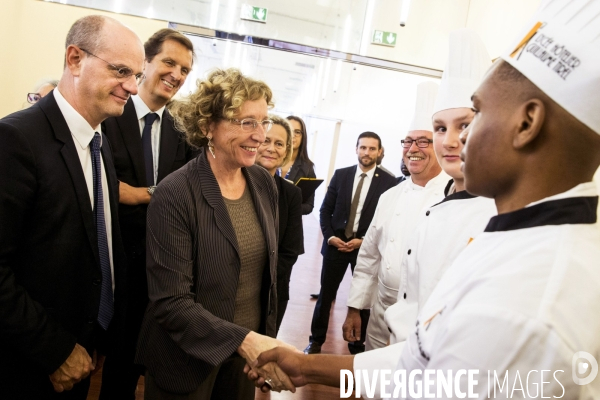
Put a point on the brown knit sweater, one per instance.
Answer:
(253, 256)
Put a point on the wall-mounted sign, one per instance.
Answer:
(384, 38)
(251, 13)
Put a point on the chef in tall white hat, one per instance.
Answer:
(448, 227)
(520, 304)
(376, 277)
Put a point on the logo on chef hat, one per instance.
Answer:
(584, 368)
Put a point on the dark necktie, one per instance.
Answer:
(350, 225)
(147, 145)
(105, 313)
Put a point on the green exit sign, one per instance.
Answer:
(252, 13)
(384, 38)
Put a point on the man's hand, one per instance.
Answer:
(133, 196)
(288, 361)
(337, 242)
(352, 325)
(350, 246)
(253, 345)
(354, 244)
(75, 368)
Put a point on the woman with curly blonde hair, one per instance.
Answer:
(212, 250)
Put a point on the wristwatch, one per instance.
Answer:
(151, 190)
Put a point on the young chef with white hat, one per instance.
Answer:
(524, 296)
(375, 280)
(449, 226)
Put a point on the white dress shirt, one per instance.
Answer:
(363, 191)
(83, 134)
(141, 110)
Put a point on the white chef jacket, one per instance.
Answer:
(446, 230)
(523, 296)
(376, 277)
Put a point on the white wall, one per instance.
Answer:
(32, 37)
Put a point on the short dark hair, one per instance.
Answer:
(153, 45)
(303, 150)
(369, 135)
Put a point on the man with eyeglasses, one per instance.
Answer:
(346, 214)
(376, 278)
(62, 263)
(147, 148)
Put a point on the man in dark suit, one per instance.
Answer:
(62, 264)
(346, 214)
(147, 148)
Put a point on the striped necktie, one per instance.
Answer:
(106, 311)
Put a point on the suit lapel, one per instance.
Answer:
(130, 130)
(348, 190)
(373, 188)
(169, 141)
(71, 158)
(214, 198)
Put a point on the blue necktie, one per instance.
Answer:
(147, 145)
(106, 311)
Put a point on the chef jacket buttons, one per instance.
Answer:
(392, 239)
(404, 296)
(427, 213)
(409, 251)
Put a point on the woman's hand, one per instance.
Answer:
(252, 346)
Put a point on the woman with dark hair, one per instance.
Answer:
(275, 151)
(299, 166)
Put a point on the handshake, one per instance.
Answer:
(275, 365)
(271, 363)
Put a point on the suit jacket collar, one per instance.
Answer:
(130, 130)
(374, 188)
(69, 154)
(169, 141)
(212, 194)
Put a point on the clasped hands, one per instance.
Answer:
(345, 247)
(263, 355)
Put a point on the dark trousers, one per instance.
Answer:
(120, 374)
(332, 273)
(226, 381)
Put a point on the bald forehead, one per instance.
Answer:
(121, 45)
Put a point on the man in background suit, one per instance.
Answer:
(62, 264)
(346, 214)
(147, 148)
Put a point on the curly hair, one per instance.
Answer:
(289, 150)
(219, 97)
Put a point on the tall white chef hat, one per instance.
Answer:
(468, 61)
(559, 51)
(426, 94)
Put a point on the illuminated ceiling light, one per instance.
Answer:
(404, 9)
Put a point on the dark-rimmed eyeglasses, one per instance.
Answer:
(250, 124)
(421, 143)
(121, 73)
(33, 98)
